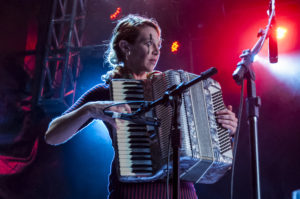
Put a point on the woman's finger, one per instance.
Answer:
(127, 108)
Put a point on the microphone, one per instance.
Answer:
(133, 118)
(273, 47)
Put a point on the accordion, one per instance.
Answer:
(142, 151)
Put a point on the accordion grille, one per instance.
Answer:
(223, 137)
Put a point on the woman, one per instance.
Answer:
(133, 52)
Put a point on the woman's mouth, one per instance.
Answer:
(153, 61)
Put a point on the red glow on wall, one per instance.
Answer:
(116, 14)
(12, 165)
(31, 41)
(175, 47)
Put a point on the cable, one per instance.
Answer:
(235, 143)
(117, 104)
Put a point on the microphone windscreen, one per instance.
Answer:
(273, 46)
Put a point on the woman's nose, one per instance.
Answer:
(156, 50)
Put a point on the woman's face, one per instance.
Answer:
(144, 53)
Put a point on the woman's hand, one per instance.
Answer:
(227, 119)
(96, 108)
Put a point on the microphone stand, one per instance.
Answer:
(244, 71)
(173, 96)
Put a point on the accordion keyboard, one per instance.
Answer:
(132, 139)
(133, 149)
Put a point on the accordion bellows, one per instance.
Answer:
(142, 151)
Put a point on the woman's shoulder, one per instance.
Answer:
(98, 88)
(97, 92)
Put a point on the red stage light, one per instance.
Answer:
(175, 47)
(116, 14)
(281, 32)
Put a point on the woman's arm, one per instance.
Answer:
(66, 126)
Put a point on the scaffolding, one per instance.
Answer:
(61, 62)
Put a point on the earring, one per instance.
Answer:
(127, 54)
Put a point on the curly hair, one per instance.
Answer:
(128, 29)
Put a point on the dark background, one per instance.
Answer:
(210, 33)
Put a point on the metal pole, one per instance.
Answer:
(68, 49)
(253, 103)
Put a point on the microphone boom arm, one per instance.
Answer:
(244, 68)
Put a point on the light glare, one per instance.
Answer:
(116, 14)
(287, 69)
(281, 32)
(175, 47)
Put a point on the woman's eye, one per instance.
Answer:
(149, 43)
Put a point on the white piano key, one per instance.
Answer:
(130, 163)
(128, 147)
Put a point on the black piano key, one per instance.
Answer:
(133, 99)
(136, 152)
(138, 136)
(139, 129)
(139, 141)
(139, 145)
(136, 92)
(136, 125)
(132, 87)
(141, 157)
(141, 166)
